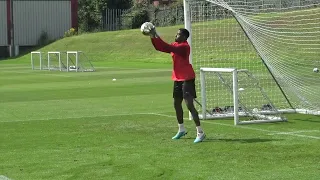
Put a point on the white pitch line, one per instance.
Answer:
(2, 177)
(77, 117)
(14, 67)
(299, 135)
(170, 116)
(295, 132)
(31, 72)
(256, 129)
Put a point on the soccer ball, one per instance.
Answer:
(146, 28)
(315, 70)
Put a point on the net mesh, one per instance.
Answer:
(277, 41)
(61, 61)
(258, 108)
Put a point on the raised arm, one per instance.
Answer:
(162, 46)
(158, 46)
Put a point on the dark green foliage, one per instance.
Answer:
(119, 4)
(3, 52)
(43, 39)
(169, 16)
(135, 18)
(90, 12)
(160, 16)
(137, 15)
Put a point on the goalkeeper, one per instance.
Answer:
(183, 76)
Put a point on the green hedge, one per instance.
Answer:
(159, 16)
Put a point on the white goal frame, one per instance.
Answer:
(57, 53)
(39, 54)
(64, 61)
(234, 87)
(235, 95)
(76, 53)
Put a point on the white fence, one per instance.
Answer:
(111, 20)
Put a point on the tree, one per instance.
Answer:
(119, 4)
(138, 14)
(91, 11)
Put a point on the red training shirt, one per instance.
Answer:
(182, 69)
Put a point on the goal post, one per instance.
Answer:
(75, 65)
(61, 61)
(276, 44)
(226, 93)
(38, 60)
(187, 24)
(78, 61)
(54, 60)
(234, 89)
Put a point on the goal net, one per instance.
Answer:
(276, 42)
(228, 92)
(61, 61)
(38, 60)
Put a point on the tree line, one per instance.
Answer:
(90, 12)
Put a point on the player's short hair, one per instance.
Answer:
(185, 32)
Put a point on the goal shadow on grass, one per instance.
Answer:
(248, 140)
(308, 120)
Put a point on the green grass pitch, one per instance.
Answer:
(59, 125)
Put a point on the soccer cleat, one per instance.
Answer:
(179, 135)
(200, 138)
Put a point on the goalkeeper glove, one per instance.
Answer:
(153, 33)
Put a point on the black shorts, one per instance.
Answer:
(182, 89)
